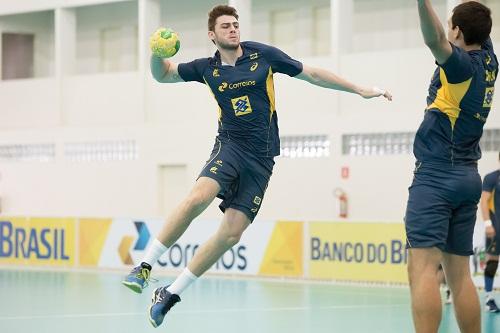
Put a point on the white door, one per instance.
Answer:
(173, 187)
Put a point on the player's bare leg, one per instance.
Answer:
(202, 194)
(423, 266)
(229, 233)
(465, 297)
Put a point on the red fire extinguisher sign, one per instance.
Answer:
(344, 173)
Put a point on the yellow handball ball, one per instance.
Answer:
(164, 43)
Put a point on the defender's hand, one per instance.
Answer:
(375, 92)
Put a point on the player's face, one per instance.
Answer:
(227, 32)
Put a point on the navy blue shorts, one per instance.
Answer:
(242, 176)
(442, 206)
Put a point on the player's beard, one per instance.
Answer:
(227, 46)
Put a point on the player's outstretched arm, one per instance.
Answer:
(323, 78)
(164, 71)
(485, 211)
(433, 32)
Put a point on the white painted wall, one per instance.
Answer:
(378, 25)
(176, 124)
(28, 103)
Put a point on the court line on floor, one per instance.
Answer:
(229, 310)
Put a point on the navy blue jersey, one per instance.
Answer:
(245, 94)
(491, 184)
(458, 104)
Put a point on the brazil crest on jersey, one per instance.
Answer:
(459, 101)
(245, 94)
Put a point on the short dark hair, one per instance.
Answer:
(474, 20)
(218, 11)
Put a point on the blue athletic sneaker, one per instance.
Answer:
(491, 306)
(162, 302)
(138, 278)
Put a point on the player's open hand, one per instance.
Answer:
(375, 92)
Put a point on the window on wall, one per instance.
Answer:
(107, 38)
(17, 56)
(394, 143)
(305, 146)
(101, 151)
(321, 29)
(118, 49)
(284, 30)
(377, 143)
(490, 141)
(28, 152)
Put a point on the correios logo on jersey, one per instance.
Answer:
(236, 85)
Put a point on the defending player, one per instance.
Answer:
(490, 203)
(446, 188)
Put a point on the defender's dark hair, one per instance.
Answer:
(474, 20)
(218, 11)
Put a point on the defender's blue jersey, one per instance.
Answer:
(491, 183)
(459, 101)
(245, 94)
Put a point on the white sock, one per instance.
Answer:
(182, 282)
(154, 252)
(488, 296)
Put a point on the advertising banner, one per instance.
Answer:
(37, 241)
(372, 252)
(266, 248)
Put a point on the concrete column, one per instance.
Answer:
(149, 20)
(244, 8)
(65, 52)
(342, 12)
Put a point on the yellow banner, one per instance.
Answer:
(37, 241)
(92, 234)
(284, 254)
(373, 252)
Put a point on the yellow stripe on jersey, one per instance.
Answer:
(491, 202)
(270, 93)
(219, 111)
(449, 96)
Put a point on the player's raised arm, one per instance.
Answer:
(432, 30)
(323, 78)
(164, 71)
(164, 43)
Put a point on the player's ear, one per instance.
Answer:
(211, 36)
(457, 33)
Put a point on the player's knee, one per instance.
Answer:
(233, 238)
(195, 201)
(491, 268)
